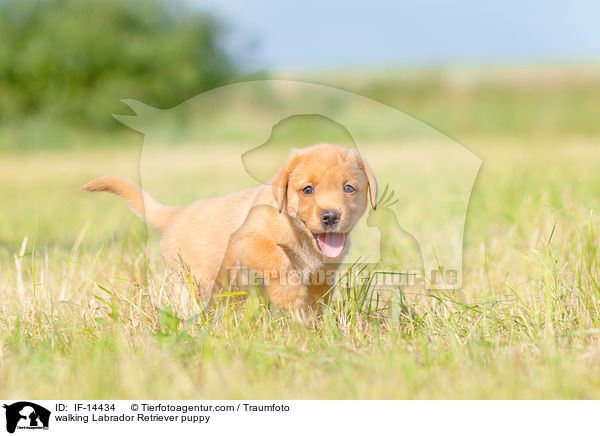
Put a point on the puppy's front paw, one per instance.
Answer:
(305, 315)
(288, 291)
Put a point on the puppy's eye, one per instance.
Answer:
(349, 189)
(308, 190)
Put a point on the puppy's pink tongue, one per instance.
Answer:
(331, 244)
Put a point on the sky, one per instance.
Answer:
(312, 34)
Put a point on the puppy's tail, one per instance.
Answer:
(146, 207)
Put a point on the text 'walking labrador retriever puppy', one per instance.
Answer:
(289, 235)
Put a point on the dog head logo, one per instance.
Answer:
(26, 415)
(431, 175)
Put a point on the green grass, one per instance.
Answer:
(86, 311)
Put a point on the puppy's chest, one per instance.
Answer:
(310, 264)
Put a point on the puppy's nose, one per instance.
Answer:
(330, 217)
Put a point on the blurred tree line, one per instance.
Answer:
(73, 60)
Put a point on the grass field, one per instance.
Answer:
(87, 311)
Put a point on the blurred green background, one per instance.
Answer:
(66, 64)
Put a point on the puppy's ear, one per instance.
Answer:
(371, 180)
(280, 180)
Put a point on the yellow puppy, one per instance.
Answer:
(290, 234)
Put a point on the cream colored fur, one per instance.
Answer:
(267, 230)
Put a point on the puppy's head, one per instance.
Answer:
(326, 187)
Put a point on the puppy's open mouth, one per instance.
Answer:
(331, 244)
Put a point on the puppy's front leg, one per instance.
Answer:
(266, 259)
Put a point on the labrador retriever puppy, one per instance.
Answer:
(289, 235)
